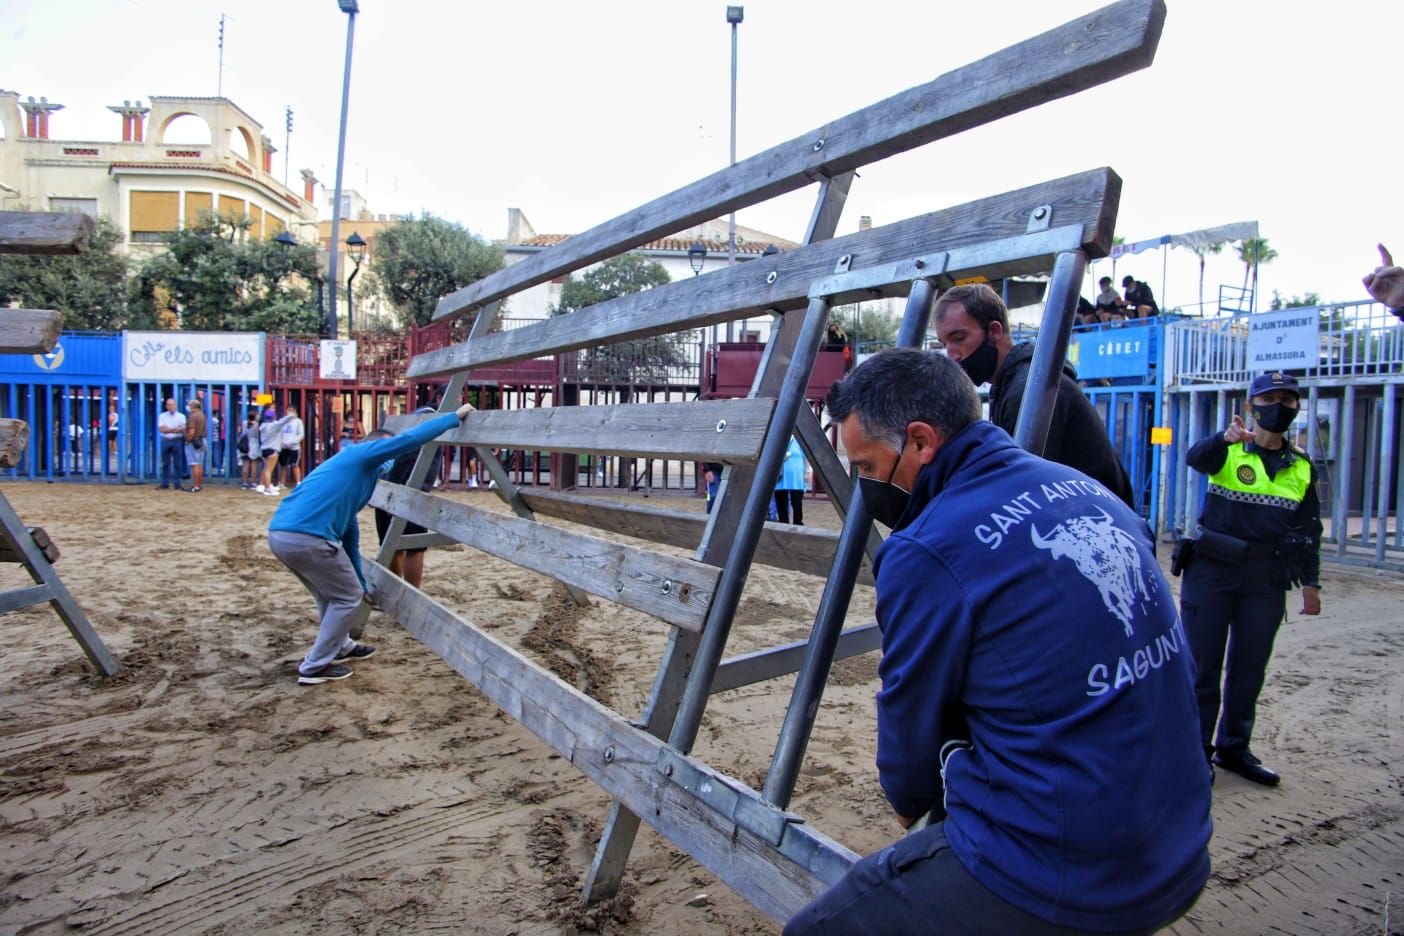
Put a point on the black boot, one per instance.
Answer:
(1243, 763)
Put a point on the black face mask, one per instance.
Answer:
(885, 501)
(1275, 417)
(980, 364)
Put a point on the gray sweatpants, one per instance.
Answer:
(326, 570)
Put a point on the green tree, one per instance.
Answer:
(418, 260)
(628, 361)
(1202, 252)
(1295, 302)
(215, 280)
(872, 327)
(89, 288)
(1253, 253)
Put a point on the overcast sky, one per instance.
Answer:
(1288, 114)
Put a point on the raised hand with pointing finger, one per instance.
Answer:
(1386, 283)
(1237, 432)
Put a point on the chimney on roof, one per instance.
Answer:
(132, 117)
(36, 124)
(865, 222)
(309, 186)
(268, 150)
(519, 229)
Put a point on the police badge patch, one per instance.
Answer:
(1246, 474)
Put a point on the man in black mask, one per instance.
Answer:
(1259, 534)
(973, 324)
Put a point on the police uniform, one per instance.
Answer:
(1260, 533)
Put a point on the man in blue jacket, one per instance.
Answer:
(315, 533)
(1037, 691)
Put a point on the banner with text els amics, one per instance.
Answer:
(193, 357)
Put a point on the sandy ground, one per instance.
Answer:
(203, 791)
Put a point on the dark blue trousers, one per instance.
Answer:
(172, 453)
(917, 886)
(1237, 606)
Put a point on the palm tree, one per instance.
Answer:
(1202, 252)
(1253, 252)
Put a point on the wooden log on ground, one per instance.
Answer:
(46, 545)
(14, 439)
(44, 232)
(29, 331)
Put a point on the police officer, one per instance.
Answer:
(1260, 533)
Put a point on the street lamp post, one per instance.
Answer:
(350, 8)
(734, 16)
(356, 247)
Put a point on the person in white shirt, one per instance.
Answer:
(290, 455)
(170, 427)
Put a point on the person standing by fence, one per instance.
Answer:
(195, 442)
(170, 427)
(794, 481)
(1260, 534)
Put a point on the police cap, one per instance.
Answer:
(1274, 380)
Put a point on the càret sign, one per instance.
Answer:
(1286, 339)
(206, 357)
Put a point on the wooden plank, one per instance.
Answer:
(14, 439)
(29, 331)
(760, 665)
(1101, 46)
(44, 232)
(677, 590)
(782, 546)
(707, 430)
(41, 539)
(988, 237)
(24, 597)
(625, 761)
(425, 541)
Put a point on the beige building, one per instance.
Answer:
(147, 183)
(372, 309)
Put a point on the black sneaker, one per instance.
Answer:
(326, 674)
(358, 652)
(1247, 766)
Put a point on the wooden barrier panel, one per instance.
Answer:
(44, 232)
(773, 861)
(677, 590)
(29, 331)
(1103, 45)
(14, 440)
(781, 546)
(988, 237)
(706, 430)
(41, 539)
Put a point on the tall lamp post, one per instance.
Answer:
(350, 8)
(734, 16)
(356, 247)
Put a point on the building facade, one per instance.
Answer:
(145, 183)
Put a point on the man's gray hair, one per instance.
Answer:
(903, 385)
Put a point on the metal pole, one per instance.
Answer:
(340, 164)
(743, 547)
(1041, 391)
(731, 225)
(833, 606)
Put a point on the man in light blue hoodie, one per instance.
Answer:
(315, 533)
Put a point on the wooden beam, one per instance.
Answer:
(44, 232)
(989, 237)
(24, 597)
(1111, 42)
(14, 439)
(29, 331)
(778, 875)
(773, 662)
(782, 546)
(706, 430)
(41, 539)
(677, 590)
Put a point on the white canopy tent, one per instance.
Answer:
(1204, 237)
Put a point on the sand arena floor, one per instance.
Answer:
(202, 791)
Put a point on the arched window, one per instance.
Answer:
(185, 128)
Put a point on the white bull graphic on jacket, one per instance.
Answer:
(1106, 556)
